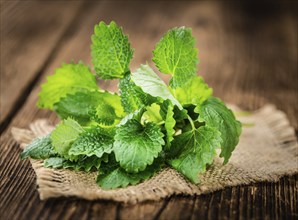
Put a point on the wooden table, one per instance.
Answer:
(248, 54)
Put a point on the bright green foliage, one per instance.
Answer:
(112, 176)
(86, 164)
(64, 135)
(152, 113)
(40, 148)
(167, 112)
(68, 79)
(114, 101)
(105, 114)
(78, 105)
(195, 91)
(215, 113)
(170, 124)
(150, 83)
(132, 96)
(94, 141)
(103, 107)
(118, 177)
(130, 135)
(196, 149)
(179, 114)
(176, 54)
(137, 145)
(111, 51)
(137, 115)
(129, 96)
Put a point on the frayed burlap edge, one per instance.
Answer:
(267, 150)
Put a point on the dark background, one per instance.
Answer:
(248, 54)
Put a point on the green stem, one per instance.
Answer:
(191, 122)
(161, 123)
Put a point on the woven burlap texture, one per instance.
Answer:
(267, 150)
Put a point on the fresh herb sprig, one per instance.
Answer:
(129, 136)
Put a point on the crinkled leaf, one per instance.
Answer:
(105, 114)
(150, 83)
(94, 141)
(132, 96)
(169, 125)
(137, 115)
(136, 145)
(176, 54)
(111, 51)
(109, 110)
(68, 79)
(179, 114)
(114, 101)
(64, 135)
(195, 91)
(54, 162)
(78, 105)
(87, 164)
(152, 113)
(215, 114)
(112, 176)
(168, 115)
(84, 106)
(195, 149)
(40, 148)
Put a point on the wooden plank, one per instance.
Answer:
(30, 32)
(230, 62)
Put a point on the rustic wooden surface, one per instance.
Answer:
(248, 54)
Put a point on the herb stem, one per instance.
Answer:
(161, 123)
(191, 122)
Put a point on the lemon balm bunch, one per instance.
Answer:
(127, 137)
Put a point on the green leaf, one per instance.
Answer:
(87, 163)
(68, 79)
(107, 101)
(215, 114)
(190, 108)
(64, 135)
(136, 145)
(151, 84)
(176, 54)
(112, 176)
(111, 51)
(194, 150)
(40, 148)
(94, 141)
(105, 114)
(78, 105)
(109, 112)
(137, 115)
(132, 96)
(104, 107)
(195, 91)
(54, 162)
(179, 114)
(169, 125)
(152, 113)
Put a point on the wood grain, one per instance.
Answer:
(27, 44)
(248, 57)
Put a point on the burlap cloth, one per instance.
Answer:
(267, 150)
